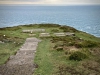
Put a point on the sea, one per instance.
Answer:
(83, 18)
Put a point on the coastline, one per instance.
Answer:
(49, 23)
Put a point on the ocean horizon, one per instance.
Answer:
(83, 18)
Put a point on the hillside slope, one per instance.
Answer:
(62, 51)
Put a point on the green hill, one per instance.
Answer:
(62, 51)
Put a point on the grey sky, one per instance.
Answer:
(53, 2)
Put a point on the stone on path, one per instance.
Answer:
(32, 34)
(59, 34)
(33, 30)
(64, 34)
(22, 62)
(44, 34)
(70, 34)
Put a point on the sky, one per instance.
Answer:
(52, 2)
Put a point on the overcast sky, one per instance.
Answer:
(51, 2)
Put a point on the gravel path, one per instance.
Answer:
(22, 62)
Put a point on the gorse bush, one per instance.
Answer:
(49, 25)
(10, 28)
(59, 49)
(77, 56)
(54, 30)
(86, 44)
(68, 29)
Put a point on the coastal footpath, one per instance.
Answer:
(21, 63)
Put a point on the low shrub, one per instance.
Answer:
(49, 25)
(54, 30)
(86, 44)
(71, 43)
(67, 29)
(59, 49)
(78, 45)
(10, 28)
(68, 70)
(77, 56)
(68, 52)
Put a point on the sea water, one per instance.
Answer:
(84, 18)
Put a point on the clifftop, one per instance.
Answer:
(63, 49)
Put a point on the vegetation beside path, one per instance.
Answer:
(56, 55)
(43, 59)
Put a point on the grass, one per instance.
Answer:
(12, 41)
(7, 49)
(43, 59)
(53, 53)
(49, 60)
(86, 36)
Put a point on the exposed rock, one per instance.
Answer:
(70, 34)
(59, 34)
(33, 30)
(44, 34)
(32, 34)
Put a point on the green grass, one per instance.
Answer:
(86, 36)
(43, 59)
(49, 60)
(6, 50)
(13, 39)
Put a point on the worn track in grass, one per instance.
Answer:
(21, 63)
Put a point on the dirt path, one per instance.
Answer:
(22, 62)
